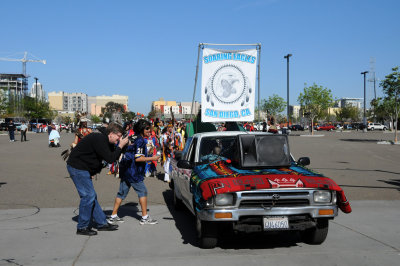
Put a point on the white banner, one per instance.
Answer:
(228, 85)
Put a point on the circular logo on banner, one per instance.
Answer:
(228, 85)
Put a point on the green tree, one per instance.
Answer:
(128, 116)
(391, 87)
(315, 101)
(346, 113)
(3, 101)
(95, 119)
(33, 109)
(274, 105)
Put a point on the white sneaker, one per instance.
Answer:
(149, 220)
(114, 220)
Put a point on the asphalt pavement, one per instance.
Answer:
(38, 212)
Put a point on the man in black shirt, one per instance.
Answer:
(11, 129)
(84, 162)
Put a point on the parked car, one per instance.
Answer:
(249, 182)
(376, 126)
(347, 126)
(296, 128)
(4, 126)
(325, 127)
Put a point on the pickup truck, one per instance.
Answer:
(249, 182)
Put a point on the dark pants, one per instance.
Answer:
(11, 135)
(23, 135)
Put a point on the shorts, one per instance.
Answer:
(124, 186)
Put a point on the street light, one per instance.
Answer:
(287, 60)
(36, 106)
(365, 103)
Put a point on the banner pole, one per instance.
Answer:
(258, 82)
(220, 44)
(195, 85)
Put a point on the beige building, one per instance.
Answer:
(161, 105)
(72, 102)
(56, 100)
(96, 103)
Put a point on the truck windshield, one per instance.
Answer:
(217, 148)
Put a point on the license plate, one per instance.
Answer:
(276, 222)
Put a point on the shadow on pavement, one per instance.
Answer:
(362, 140)
(130, 209)
(394, 182)
(184, 220)
(2, 183)
(359, 170)
(185, 223)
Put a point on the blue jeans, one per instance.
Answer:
(11, 135)
(89, 206)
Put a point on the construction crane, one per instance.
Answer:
(25, 78)
(23, 60)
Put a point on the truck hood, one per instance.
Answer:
(221, 177)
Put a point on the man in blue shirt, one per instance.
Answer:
(132, 170)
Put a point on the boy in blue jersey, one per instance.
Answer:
(132, 170)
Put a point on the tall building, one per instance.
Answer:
(13, 88)
(41, 94)
(96, 103)
(294, 111)
(72, 102)
(13, 84)
(343, 102)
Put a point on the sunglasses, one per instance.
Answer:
(147, 128)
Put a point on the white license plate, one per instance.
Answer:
(276, 222)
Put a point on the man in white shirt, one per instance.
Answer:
(24, 128)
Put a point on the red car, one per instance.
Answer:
(326, 127)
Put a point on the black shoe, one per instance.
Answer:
(86, 232)
(108, 227)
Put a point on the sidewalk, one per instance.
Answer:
(368, 236)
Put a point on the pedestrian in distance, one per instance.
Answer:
(24, 128)
(132, 171)
(11, 129)
(83, 163)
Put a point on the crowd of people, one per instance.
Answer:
(131, 151)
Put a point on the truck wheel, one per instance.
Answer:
(178, 204)
(372, 129)
(318, 234)
(206, 233)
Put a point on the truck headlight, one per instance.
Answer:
(322, 196)
(224, 199)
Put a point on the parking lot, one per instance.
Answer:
(38, 205)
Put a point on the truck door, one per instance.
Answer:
(187, 173)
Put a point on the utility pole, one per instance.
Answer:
(287, 60)
(36, 104)
(365, 103)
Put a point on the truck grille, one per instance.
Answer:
(276, 203)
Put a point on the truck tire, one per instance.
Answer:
(318, 234)
(206, 233)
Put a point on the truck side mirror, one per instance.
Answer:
(185, 164)
(304, 161)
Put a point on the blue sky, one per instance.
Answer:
(148, 49)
